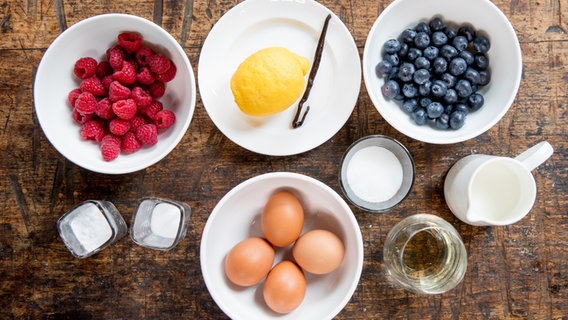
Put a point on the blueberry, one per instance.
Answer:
(392, 46)
(471, 75)
(383, 68)
(481, 61)
(434, 110)
(393, 74)
(422, 63)
(467, 56)
(393, 58)
(399, 97)
(448, 52)
(425, 102)
(460, 42)
(439, 38)
(390, 89)
(449, 109)
(425, 88)
(475, 101)
(406, 71)
(409, 105)
(461, 108)
(409, 90)
(457, 66)
(451, 96)
(468, 31)
(457, 119)
(439, 89)
(451, 32)
(413, 54)
(422, 27)
(463, 88)
(408, 35)
(403, 50)
(449, 79)
(430, 52)
(481, 44)
(443, 122)
(422, 40)
(484, 77)
(419, 116)
(440, 65)
(436, 24)
(421, 76)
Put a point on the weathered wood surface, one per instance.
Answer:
(519, 271)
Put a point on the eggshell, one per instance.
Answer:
(282, 219)
(318, 251)
(285, 287)
(249, 261)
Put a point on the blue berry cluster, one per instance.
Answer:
(435, 70)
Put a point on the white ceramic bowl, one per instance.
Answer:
(54, 79)
(237, 217)
(505, 63)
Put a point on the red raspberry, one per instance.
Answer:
(104, 109)
(126, 75)
(110, 147)
(85, 67)
(81, 118)
(151, 110)
(129, 143)
(130, 41)
(164, 119)
(106, 81)
(168, 75)
(145, 76)
(143, 56)
(147, 134)
(94, 86)
(159, 64)
(157, 89)
(118, 126)
(73, 95)
(103, 69)
(136, 122)
(141, 97)
(117, 91)
(86, 103)
(125, 109)
(92, 130)
(116, 56)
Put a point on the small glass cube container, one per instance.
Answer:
(90, 227)
(160, 223)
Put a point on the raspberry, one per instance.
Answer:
(126, 75)
(92, 130)
(85, 67)
(73, 95)
(136, 122)
(94, 86)
(125, 109)
(118, 126)
(143, 56)
(117, 91)
(116, 56)
(157, 89)
(104, 109)
(164, 119)
(103, 69)
(130, 41)
(168, 75)
(141, 97)
(159, 64)
(86, 103)
(151, 110)
(145, 76)
(106, 81)
(147, 134)
(110, 147)
(129, 143)
(81, 118)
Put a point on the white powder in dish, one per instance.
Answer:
(374, 174)
(165, 220)
(90, 227)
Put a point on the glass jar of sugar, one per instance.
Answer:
(160, 223)
(377, 173)
(90, 227)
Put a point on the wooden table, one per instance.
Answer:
(518, 271)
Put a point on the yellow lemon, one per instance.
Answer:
(269, 81)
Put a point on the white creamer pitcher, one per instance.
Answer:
(485, 190)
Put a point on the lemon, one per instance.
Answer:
(269, 81)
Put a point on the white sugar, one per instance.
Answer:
(90, 227)
(374, 174)
(165, 220)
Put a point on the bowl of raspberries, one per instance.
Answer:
(442, 71)
(114, 93)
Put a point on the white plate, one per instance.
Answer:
(256, 24)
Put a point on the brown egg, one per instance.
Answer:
(285, 287)
(282, 219)
(249, 261)
(318, 251)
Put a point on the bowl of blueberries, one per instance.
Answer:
(442, 71)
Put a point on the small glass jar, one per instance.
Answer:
(90, 227)
(424, 253)
(160, 223)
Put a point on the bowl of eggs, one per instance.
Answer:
(281, 228)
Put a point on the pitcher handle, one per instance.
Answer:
(535, 155)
